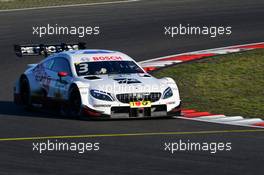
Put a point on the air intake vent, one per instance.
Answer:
(92, 78)
(130, 97)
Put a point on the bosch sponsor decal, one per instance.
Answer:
(107, 58)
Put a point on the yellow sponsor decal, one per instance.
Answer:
(140, 104)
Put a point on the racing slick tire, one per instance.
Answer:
(75, 104)
(25, 92)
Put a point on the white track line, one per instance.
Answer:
(219, 122)
(70, 5)
(228, 119)
(159, 63)
(249, 121)
(202, 51)
(212, 117)
(222, 51)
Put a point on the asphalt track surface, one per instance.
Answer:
(136, 29)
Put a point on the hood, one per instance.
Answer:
(125, 83)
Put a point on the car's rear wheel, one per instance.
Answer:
(25, 92)
(75, 103)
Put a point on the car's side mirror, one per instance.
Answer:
(62, 74)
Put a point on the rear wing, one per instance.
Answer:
(45, 49)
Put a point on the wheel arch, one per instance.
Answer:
(83, 90)
(72, 86)
(19, 98)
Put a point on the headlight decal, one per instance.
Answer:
(167, 93)
(101, 95)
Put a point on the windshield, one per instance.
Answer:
(107, 67)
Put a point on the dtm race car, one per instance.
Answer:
(93, 83)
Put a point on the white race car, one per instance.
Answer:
(93, 83)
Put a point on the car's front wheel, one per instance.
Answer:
(75, 103)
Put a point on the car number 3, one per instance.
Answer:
(83, 68)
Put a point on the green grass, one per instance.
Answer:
(229, 84)
(17, 4)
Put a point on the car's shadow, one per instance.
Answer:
(10, 109)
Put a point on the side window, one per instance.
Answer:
(48, 64)
(61, 65)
